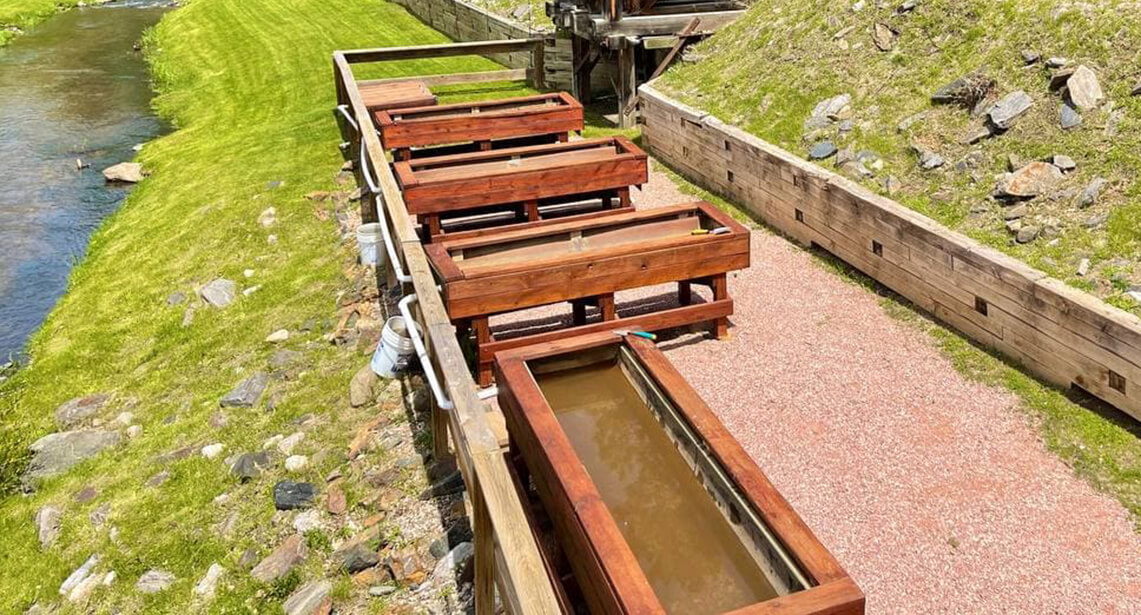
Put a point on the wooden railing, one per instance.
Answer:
(506, 555)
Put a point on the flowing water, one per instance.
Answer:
(70, 88)
(690, 555)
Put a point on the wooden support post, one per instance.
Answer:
(484, 536)
(624, 197)
(432, 222)
(368, 208)
(532, 210)
(720, 285)
(606, 306)
(578, 312)
(538, 65)
(584, 58)
(627, 81)
(684, 293)
(440, 420)
(482, 327)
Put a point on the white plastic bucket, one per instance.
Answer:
(395, 349)
(368, 243)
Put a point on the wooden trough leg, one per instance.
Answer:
(482, 329)
(578, 312)
(402, 154)
(720, 285)
(623, 197)
(485, 146)
(606, 306)
(432, 221)
(684, 292)
(532, 208)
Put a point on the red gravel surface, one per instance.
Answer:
(935, 493)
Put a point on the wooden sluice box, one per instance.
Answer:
(643, 500)
(587, 261)
(523, 179)
(480, 123)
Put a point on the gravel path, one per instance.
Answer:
(935, 493)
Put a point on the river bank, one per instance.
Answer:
(234, 237)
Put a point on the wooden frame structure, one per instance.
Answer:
(507, 559)
(588, 261)
(520, 177)
(553, 115)
(604, 566)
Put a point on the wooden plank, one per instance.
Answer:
(387, 54)
(487, 76)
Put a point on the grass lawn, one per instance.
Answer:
(24, 14)
(248, 85)
(766, 72)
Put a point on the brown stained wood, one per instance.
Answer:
(380, 96)
(517, 175)
(602, 559)
(525, 116)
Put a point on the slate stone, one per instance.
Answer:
(247, 393)
(1064, 163)
(1095, 220)
(79, 575)
(219, 293)
(154, 581)
(1030, 56)
(48, 524)
(965, 91)
(76, 410)
(1027, 234)
(158, 479)
(1008, 108)
(357, 558)
(1030, 181)
(283, 559)
(57, 453)
(883, 36)
(458, 564)
(1059, 78)
(1069, 117)
(288, 495)
(284, 358)
(1056, 62)
(1083, 267)
(208, 584)
(176, 298)
(827, 111)
(1091, 192)
(310, 599)
(1136, 90)
(822, 150)
(1083, 89)
(361, 387)
(250, 465)
(929, 160)
(1015, 213)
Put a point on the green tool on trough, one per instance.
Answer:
(625, 332)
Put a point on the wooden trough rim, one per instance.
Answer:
(441, 259)
(833, 591)
(406, 170)
(390, 117)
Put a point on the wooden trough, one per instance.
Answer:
(481, 123)
(390, 95)
(522, 178)
(654, 506)
(587, 260)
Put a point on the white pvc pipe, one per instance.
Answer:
(381, 214)
(344, 109)
(426, 364)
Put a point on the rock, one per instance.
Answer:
(1083, 267)
(378, 591)
(124, 172)
(1059, 78)
(406, 566)
(965, 91)
(310, 599)
(249, 465)
(1056, 62)
(357, 558)
(361, 387)
(1027, 234)
(83, 591)
(86, 494)
(883, 36)
(158, 479)
(99, 515)
(178, 297)
(458, 564)
(218, 420)
(57, 453)
(219, 293)
(907, 6)
(134, 431)
(892, 185)
(1030, 56)
(154, 581)
(928, 159)
(906, 123)
(211, 451)
(288, 495)
(77, 576)
(123, 419)
(844, 156)
(296, 463)
(821, 150)
(284, 358)
(253, 289)
(1030, 181)
(1069, 117)
(976, 134)
(208, 584)
(48, 525)
(229, 525)
(1014, 213)
(1009, 108)
(278, 336)
(268, 217)
(521, 11)
(1091, 192)
(827, 111)
(247, 392)
(1083, 89)
(281, 561)
(336, 502)
(307, 521)
(286, 445)
(1113, 123)
(248, 559)
(76, 410)
(1064, 163)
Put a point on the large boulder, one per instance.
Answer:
(1029, 181)
(57, 453)
(76, 410)
(124, 172)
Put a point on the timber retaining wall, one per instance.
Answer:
(1064, 335)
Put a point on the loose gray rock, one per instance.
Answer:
(176, 298)
(124, 172)
(911, 120)
(1059, 78)
(976, 134)
(284, 358)
(907, 6)
(1027, 234)
(378, 591)
(158, 479)
(892, 185)
(1083, 89)
(288, 495)
(248, 559)
(1029, 181)
(1030, 56)
(1009, 108)
(99, 515)
(883, 36)
(283, 559)
(1091, 192)
(250, 465)
(361, 387)
(1083, 267)
(1056, 62)
(247, 393)
(822, 150)
(57, 453)
(928, 159)
(154, 581)
(357, 558)
(1136, 89)
(521, 11)
(1014, 213)
(48, 525)
(79, 575)
(965, 91)
(458, 564)
(219, 293)
(208, 584)
(827, 111)
(1064, 163)
(1069, 117)
(310, 599)
(76, 410)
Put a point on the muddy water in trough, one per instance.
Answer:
(690, 555)
(70, 88)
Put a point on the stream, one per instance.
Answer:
(71, 88)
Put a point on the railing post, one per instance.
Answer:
(538, 68)
(484, 533)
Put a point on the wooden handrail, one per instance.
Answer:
(507, 557)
